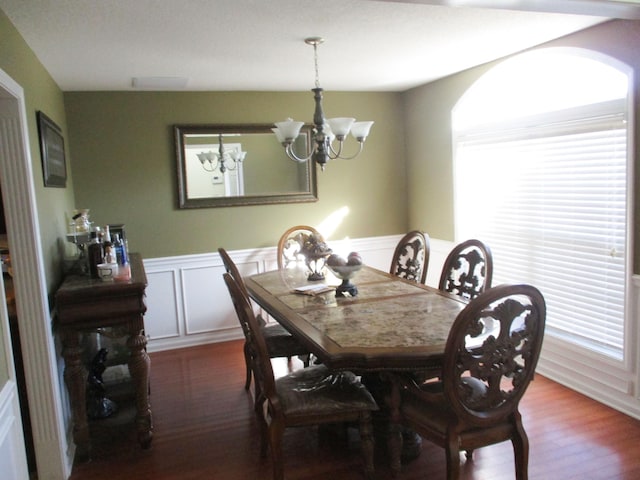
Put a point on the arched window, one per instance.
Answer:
(541, 175)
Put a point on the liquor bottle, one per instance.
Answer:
(95, 253)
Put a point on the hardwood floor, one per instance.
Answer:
(204, 428)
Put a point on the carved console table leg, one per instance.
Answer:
(139, 367)
(75, 378)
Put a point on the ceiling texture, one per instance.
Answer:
(220, 45)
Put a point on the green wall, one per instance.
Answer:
(428, 121)
(121, 152)
(41, 93)
(125, 169)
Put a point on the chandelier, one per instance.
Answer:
(226, 160)
(325, 131)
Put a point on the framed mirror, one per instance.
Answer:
(231, 165)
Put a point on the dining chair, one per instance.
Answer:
(411, 261)
(490, 357)
(306, 397)
(280, 343)
(411, 257)
(290, 245)
(467, 270)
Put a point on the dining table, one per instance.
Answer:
(390, 325)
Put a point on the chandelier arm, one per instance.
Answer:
(333, 153)
(338, 154)
(292, 155)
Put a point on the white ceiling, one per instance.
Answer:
(370, 45)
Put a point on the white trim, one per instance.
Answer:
(170, 304)
(53, 453)
(615, 384)
(608, 382)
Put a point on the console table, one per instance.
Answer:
(85, 305)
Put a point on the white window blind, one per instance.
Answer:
(550, 199)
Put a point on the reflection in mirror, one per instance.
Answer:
(226, 165)
(213, 170)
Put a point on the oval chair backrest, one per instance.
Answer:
(411, 257)
(467, 270)
(491, 353)
(291, 243)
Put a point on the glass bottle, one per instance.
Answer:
(109, 253)
(95, 253)
(109, 249)
(121, 252)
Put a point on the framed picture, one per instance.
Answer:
(54, 166)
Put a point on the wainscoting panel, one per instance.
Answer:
(202, 288)
(188, 303)
(185, 302)
(162, 295)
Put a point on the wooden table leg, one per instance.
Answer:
(75, 376)
(403, 444)
(139, 368)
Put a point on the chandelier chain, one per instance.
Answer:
(315, 59)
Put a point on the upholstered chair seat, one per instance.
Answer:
(317, 390)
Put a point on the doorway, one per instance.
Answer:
(53, 455)
(14, 331)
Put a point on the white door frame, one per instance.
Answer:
(53, 453)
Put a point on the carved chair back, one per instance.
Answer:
(491, 353)
(411, 257)
(291, 243)
(467, 270)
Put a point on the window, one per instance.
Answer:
(544, 184)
